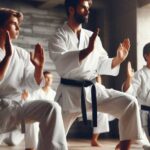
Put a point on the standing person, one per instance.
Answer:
(19, 70)
(78, 56)
(138, 85)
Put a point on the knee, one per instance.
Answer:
(54, 107)
(12, 141)
(132, 101)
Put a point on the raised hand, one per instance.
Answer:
(130, 71)
(84, 53)
(92, 40)
(123, 49)
(8, 46)
(37, 57)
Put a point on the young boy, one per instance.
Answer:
(19, 70)
(138, 85)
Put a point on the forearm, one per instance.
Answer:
(115, 62)
(127, 84)
(38, 74)
(84, 53)
(4, 65)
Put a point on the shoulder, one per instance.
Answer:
(141, 72)
(87, 32)
(21, 51)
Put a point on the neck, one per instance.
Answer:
(45, 88)
(76, 27)
(2, 43)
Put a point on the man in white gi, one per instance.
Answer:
(18, 73)
(79, 56)
(138, 85)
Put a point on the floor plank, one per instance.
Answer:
(80, 144)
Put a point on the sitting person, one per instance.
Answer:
(44, 93)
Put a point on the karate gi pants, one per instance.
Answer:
(121, 106)
(48, 114)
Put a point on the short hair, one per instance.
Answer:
(6, 14)
(146, 50)
(73, 3)
(46, 72)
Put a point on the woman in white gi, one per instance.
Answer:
(78, 55)
(17, 73)
(138, 85)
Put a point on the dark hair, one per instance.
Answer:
(6, 13)
(73, 3)
(146, 50)
(46, 72)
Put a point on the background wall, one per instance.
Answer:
(143, 32)
(122, 26)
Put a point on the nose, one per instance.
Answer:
(17, 27)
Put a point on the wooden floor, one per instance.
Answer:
(80, 144)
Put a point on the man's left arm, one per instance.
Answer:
(122, 53)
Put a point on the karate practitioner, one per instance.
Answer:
(44, 93)
(19, 70)
(78, 55)
(138, 85)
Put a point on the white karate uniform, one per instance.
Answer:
(38, 95)
(64, 51)
(140, 88)
(19, 76)
(41, 94)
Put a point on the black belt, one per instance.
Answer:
(82, 84)
(145, 108)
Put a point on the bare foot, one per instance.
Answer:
(95, 143)
(117, 146)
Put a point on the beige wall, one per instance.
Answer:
(122, 25)
(143, 32)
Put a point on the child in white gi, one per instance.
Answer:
(138, 85)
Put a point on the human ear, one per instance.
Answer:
(71, 11)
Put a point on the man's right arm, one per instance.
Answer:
(5, 62)
(84, 53)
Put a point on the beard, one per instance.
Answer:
(80, 19)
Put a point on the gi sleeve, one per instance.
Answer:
(29, 81)
(105, 63)
(135, 85)
(61, 56)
